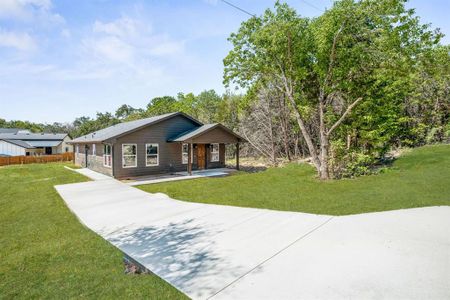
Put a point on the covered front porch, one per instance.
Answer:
(208, 143)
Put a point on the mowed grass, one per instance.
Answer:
(46, 253)
(418, 178)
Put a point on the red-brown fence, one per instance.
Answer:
(17, 160)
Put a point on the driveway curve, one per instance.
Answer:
(223, 252)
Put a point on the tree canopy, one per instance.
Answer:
(346, 74)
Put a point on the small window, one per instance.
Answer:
(93, 149)
(152, 158)
(215, 152)
(184, 153)
(129, 155)
(107, 160)
(67, 149)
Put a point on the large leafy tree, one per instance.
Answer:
(327, 67)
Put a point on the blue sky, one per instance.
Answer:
(60, 59)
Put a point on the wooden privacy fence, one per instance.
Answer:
(17, 160)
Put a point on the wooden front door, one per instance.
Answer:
(201, 156)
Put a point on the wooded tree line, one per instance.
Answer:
(363, 77)
(343, 88)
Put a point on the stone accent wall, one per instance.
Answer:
(95, 162)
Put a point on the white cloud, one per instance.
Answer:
(124, 27)
(20, 8)
(131, 41)
(66, 33)
(111, 48)
(29, 10)
(213, 2)
(166, 47)
(18, 40)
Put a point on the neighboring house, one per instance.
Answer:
(161, 144)
(13, 130)
(23, 142)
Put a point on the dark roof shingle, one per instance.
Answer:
(122, 128)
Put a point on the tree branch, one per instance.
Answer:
(347, 111)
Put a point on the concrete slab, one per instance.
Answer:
(243, 253)
(90, 174)
(402, 254)
(179, 176)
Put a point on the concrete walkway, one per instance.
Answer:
(222, 252)
(179, 176)
(90, 174)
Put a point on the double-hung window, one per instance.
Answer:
(152, 158)
(185, 153)
(107, 160)
(129, 155)
(214, 152)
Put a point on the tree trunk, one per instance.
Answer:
(324, 141)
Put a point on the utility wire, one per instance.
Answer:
(312, 5)
(253, 15)
(238, 8)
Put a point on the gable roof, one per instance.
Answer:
(127, 127)
(19, 143)
(202, 130)
(9, 130)
(33, 136)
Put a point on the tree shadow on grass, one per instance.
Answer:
(181, 253)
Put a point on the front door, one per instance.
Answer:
(48, 150)
(201, 156)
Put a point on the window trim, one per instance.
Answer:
(192, 154)
(157, 155)
(106, 155)
(123, 161)
(214, 152)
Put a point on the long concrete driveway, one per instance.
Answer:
(223, 252)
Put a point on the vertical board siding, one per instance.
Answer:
(170, 158)
(11, 149)
(169, 153)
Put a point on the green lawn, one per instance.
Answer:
(46, 253)
(419, 178)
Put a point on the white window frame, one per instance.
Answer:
(123, 156)
(107, 157)
(182, 154)
(157, 155)
(215, 152)
(93, 149)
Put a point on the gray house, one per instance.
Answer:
(19, 142)
(162, 144)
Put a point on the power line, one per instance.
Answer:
(253, 15)
(237, 7)
(312, 5)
